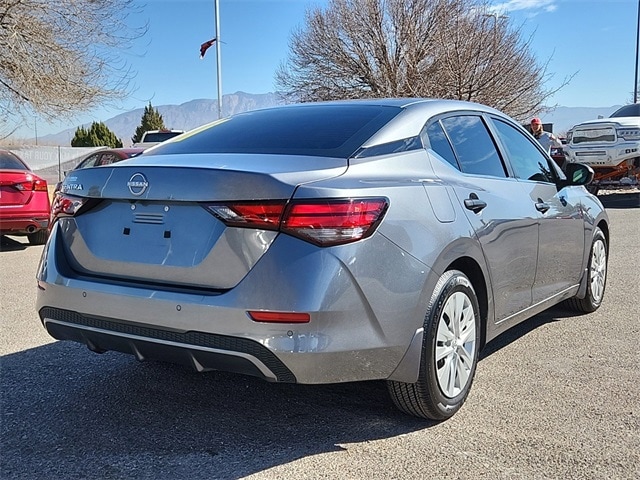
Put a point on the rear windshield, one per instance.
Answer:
(8, 161)
(320, 130)
(160, 136)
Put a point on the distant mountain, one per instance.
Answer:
(186, 116)
(199, 112)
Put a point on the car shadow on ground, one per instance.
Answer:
(69, 410)
(66, 409)
(620, 200)
(554, 314)
(8, 244)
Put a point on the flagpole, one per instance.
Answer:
(217, 7)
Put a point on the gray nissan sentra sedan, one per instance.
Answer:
(327, 242)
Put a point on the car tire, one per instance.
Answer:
(597, 280)
(39, 237)
(449, 352)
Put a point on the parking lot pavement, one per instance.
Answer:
(555, 398)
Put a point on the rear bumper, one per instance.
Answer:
(354, 334)
(23, 225)
(202, 351)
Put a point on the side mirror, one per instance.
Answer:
(578, 174)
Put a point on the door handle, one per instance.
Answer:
(542, 206)
(474, 204)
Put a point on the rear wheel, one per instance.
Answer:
(449, 352)
(39, 237)
(597, 276)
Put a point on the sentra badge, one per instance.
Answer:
(137, 184)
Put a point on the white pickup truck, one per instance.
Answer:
(611, 146)
(154, 137)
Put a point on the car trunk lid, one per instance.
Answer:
(151, 224)
(17, 187)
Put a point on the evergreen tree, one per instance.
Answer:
(151, 120)
(98, 135)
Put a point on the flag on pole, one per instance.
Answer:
(205, 46)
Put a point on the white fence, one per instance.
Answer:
(39, 158)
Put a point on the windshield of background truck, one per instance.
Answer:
(159, 136)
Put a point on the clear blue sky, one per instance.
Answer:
(593, 39)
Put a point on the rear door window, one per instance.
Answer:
(527, 161)
(475, 150)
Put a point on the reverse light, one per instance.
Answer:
(64, 205)
(263, 215)
(279, 317)
(324, 222)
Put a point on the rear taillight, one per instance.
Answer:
(32, 184)
(322, 222)
(67, 206)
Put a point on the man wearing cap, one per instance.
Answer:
(546, 139)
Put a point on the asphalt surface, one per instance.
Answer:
(558, 397)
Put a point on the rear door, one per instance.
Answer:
(561, 232)
(504, 220)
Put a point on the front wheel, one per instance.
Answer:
(597, 276)
(449, 352)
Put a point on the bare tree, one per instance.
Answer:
(454, 49)
(61, 57)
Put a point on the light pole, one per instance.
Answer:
(635, 83)
(217, 7)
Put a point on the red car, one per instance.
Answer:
(24, 200)
(104, 157)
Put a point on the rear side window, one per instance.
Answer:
(440, 144)
(8, 161)
(320, 130)
(89, 161)
(108, 159)
(473, 145)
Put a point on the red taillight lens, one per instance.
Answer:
(32, 184)
(334, 221)
(322, 222)
(279, 317)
